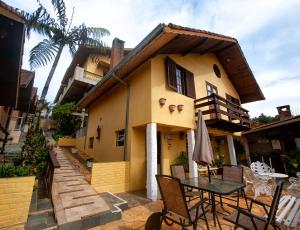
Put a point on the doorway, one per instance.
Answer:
(159, 166)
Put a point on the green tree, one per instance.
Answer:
(59, 33)
(264, 119)
(66, 121)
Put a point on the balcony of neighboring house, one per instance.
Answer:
(78, 85)
(223, 114)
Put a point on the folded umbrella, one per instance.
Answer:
(203, 153)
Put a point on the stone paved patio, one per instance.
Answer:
(136, 216)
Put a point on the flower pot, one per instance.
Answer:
(162, 101)
(180, 107)
(172, 108)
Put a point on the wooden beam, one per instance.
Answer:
(212, 47)
(198, 44)
(224, 48)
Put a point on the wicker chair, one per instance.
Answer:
(176, 209)
(177, 171)
(235, 174)
(247, 220)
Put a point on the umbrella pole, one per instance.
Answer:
(208, 172)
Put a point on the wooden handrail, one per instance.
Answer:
(218, 106)
(49, 171)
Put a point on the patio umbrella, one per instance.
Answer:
(203, 153)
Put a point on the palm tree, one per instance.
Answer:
(59, 34)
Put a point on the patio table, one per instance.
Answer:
(216, 186)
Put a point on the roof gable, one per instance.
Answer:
(168, 39)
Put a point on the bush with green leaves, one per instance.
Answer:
(292, 161)
(67, 123)
(12, 171)
(35, 152)
(183, 159)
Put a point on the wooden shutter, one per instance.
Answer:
(171, 73)
(190, 84)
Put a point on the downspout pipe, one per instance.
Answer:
(125, 158)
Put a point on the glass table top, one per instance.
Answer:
(216, 185)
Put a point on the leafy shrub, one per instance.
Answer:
(67, 123)
(57, 135)
(12, 171)
(183, 159)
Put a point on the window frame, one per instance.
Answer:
(213, 87)
(120, 142)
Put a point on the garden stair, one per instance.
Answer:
(76, 204)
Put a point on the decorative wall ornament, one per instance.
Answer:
(162, 101)
(180, 107)
(172, 108)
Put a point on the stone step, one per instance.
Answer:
(41, 220)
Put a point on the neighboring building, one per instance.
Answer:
(268, 142)
(87, 68)
(143, 109)
(11, 51)
(19, 117)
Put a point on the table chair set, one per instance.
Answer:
(185, 204)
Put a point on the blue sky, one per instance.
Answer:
(268, 32)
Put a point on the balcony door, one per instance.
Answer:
(211, 89)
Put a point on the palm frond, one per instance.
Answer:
(60, 7)
(97, 32)
(42, 53)
(90, 36)
(72, 48)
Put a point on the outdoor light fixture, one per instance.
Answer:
(162, 101)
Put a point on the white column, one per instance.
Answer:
(151, 143)
(231, 150)
(246, 148)
(191, 145)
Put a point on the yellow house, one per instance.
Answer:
(143, 111)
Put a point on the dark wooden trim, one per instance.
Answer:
(218, 106)
(198, 44)
(212, 47)
(224, 48)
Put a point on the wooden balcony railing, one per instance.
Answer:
(49, 171)
(223, 110)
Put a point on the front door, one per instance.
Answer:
(159, 166)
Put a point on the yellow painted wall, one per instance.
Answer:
(15, 198)
(147, 85)
(202, 67)
(66, 142)
(138, 169)
(110, 177)
(109, 114)
(79, 143)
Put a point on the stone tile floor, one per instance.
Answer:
(135, 217)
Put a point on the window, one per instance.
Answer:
(210, 88)
(180, 79)
(91, 142)
(217, 70)
(120, 137)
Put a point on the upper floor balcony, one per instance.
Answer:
(78, 85)
(220, 113)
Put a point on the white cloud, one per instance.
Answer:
(247, 20)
